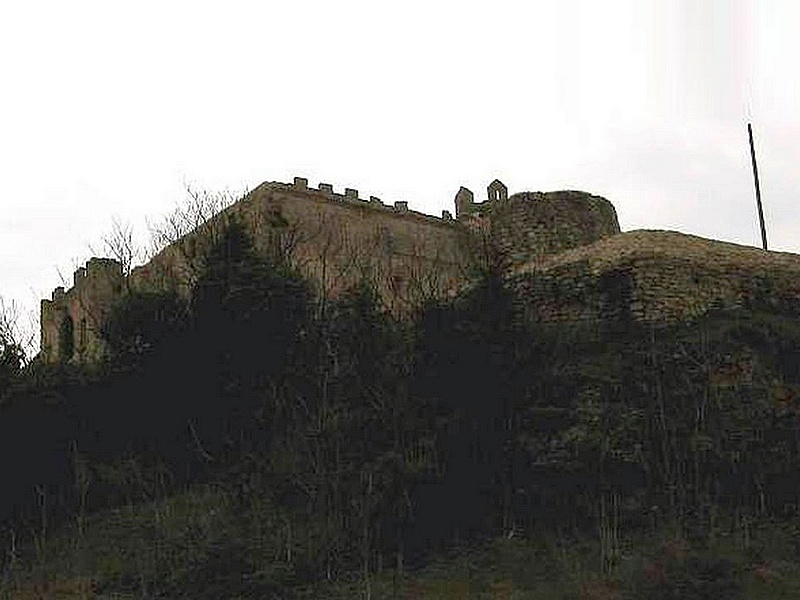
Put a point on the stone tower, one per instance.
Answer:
(71, 321)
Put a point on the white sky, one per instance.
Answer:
(110, 111)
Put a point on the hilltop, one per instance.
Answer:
(275, 414)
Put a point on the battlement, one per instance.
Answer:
(101, 267)
(96, 269)
(351, 197)
(71, 319)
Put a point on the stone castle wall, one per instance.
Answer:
(530, 226)
(339, 240)
(73, 318)
(564, 255)
(655, 277)
(336, 240)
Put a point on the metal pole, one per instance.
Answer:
(758, 189)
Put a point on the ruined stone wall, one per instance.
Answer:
(336, 240)
(654, 276)
(680, 277)
(565, 257)
(71, 320)
(532, 225)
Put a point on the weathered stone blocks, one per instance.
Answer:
(671, 277)
(532, 225)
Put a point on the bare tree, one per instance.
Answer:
(17, 343)
(119, 244)
(75, 262)
(186, 232)
(198, 208)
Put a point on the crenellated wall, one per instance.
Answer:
(71, 320)
(335, 240)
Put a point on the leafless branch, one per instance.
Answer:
(12, 334)
(119, 244)
(197, 209)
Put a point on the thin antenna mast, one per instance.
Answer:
(758, 189)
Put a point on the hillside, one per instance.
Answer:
(258, 439)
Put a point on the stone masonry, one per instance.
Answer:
(654, 277)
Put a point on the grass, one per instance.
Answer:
(197, 544)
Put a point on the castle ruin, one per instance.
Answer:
(562, 254)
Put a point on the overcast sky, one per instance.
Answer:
(110, 111)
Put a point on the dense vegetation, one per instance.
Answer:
(348, 445)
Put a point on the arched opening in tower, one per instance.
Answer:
(66, 340)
